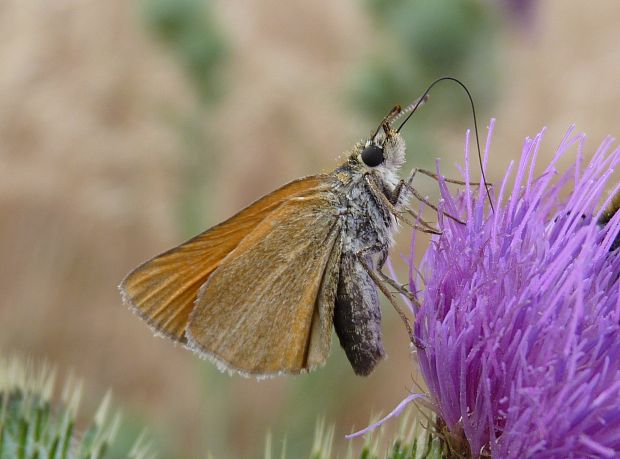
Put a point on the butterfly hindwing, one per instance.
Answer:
(268, 308)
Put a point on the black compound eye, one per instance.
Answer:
(372, 155)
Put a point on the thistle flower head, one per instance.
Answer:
(518, 335)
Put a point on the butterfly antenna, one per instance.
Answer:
(424, 97)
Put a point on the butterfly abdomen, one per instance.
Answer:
(357, 316)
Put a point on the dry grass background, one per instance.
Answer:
(91, 177)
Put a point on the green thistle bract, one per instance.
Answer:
(32, 426)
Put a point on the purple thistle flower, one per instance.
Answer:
(518, 331)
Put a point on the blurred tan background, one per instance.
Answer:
(126, 127)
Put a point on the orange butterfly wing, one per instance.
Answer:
(163, 289)
(268, 309)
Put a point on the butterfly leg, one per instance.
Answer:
(408, 185)
(434, 176)
(382, 258)
(381, 281)
(391, 202)
(383, 286)
(398, 197)
(402, 289)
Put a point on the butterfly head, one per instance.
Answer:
(383, 153)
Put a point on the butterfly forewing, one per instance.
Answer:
(274, 281)
(163, 290)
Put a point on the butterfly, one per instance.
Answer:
(259, 293)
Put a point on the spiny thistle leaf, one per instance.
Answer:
(32, 426)
(323, 440)
(411, 441)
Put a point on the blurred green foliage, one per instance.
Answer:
(421, 40)
(189, 29)
(418, 41)
(198, 143)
